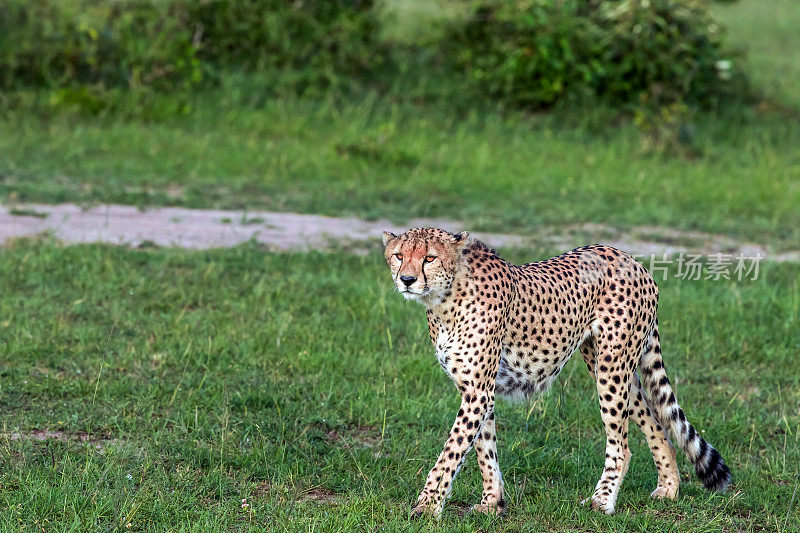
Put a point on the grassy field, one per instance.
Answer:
(375, 158)
(165, 390)
(766, 31)
(429, 151)
(184, 383)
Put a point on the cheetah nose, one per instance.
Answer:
(408, 280)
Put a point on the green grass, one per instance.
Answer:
(180, 383)
(767, 33)
(428, 149)
(212, 377)
(418, 21)
(375, 158)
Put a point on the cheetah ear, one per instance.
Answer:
(388, 236)
(461, 240)
(461, 237)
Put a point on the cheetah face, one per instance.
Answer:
(423, 262)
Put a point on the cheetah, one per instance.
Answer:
(508, 330)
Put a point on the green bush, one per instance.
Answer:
(327, 37)
(87, 51)
(94, 53)
(535, 52)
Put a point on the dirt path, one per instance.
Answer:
(200, 229)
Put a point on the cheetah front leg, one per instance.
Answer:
(471, 418)
(492, 501)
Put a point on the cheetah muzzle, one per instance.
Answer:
(508, 330)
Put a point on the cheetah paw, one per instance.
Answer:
(497, 509)
(423, 509)
(598, 504)
(665, 493)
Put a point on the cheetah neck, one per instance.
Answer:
(446, 305)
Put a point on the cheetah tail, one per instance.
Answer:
(708, 464)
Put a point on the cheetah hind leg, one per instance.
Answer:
(663, 452)
(613, 384)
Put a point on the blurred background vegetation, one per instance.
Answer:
(513, 114)
(100, 55)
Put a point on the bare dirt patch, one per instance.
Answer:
(358, 437)
(212, 228)
(316, 494)
(321, 495)
(362, 436)
(99, 443)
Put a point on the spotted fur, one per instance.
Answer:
(503, 329)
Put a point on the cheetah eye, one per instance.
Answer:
(399, 256)
(429, 258)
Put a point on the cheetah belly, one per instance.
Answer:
(519, 380)
(523, 374)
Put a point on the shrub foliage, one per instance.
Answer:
(88, 51)
(536, 52)
(327, 35)
(526, 52)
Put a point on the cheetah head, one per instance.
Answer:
(423, 262)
